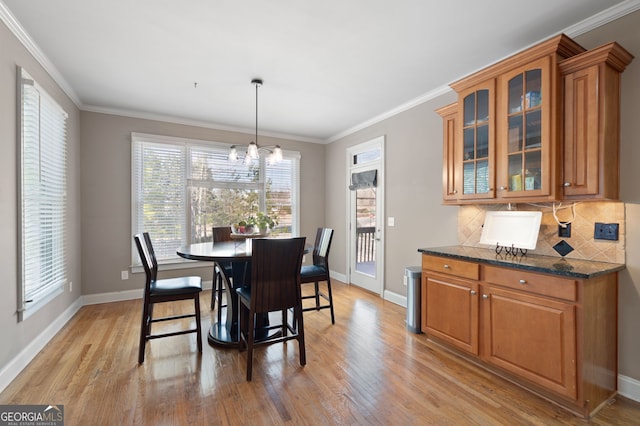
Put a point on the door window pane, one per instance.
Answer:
(365, 231)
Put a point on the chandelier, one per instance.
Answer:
(252, 152)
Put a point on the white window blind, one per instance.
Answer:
(159, 195)
(43, 200)
(182, 188)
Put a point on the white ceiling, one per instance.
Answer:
(329, 67)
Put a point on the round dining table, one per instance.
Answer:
(226, 333)
(238, 253)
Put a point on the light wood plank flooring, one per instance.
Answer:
(365, 369)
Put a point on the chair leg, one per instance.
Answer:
(250, 336)
(149, 319)
(144, 327)
(333, 317)
(198, 323)
(284, 322)
(214, 289)
(317, 290)
(219, 297)
(300, 330)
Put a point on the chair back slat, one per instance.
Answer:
(222, 233)
(321, 246)
(147, 256)
(275, 273)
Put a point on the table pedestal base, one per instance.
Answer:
(220, 336)
(223, 336)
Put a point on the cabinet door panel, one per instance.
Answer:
(524, 131)
(531, 336)
(581, 133)
(452, 311)
(476, 138)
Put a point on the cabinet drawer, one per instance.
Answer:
(446, 265)
(547, 285)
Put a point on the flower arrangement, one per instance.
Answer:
(263, 221)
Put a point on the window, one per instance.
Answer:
(42, 177)
(182, 188)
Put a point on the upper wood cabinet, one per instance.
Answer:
(526, 145)
(591, 122)
(509, 142)
(450, 174)
(476, 132)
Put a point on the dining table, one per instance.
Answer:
(237, 253)
(226, 333)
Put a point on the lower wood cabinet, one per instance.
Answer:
(531, 336)
(555, 335)
(452, 310)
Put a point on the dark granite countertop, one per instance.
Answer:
(545, 264)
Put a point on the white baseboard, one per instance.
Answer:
(396, 298)
(337, 276)
(17, 364)
(629, 387)
(118, 296)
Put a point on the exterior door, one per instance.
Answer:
(366, 179)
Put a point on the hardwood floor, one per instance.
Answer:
(365, 369)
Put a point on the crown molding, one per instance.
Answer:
(602, 18)
(23, 37)
(195, 123)
(395, 111)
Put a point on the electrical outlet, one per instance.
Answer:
(564, 230)
(124, 275)
(606, 231)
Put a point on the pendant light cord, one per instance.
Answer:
(257, 82)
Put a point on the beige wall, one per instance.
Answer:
(106, 193)
(16, 336)
(413, 190)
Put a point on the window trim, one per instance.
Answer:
(48, 136)
(187, 143)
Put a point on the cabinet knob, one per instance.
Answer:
(523, 281)
(566, 184)
(446, 266)
(473, 292)
(503, 188)
(485, 296)
(455, 191)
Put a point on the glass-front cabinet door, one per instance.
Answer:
(524, 150)
(478, 141)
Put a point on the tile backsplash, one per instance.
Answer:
(471, 218)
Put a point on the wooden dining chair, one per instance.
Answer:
(164, 290)
(319, 272)
(275, 286)
(221, 272)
